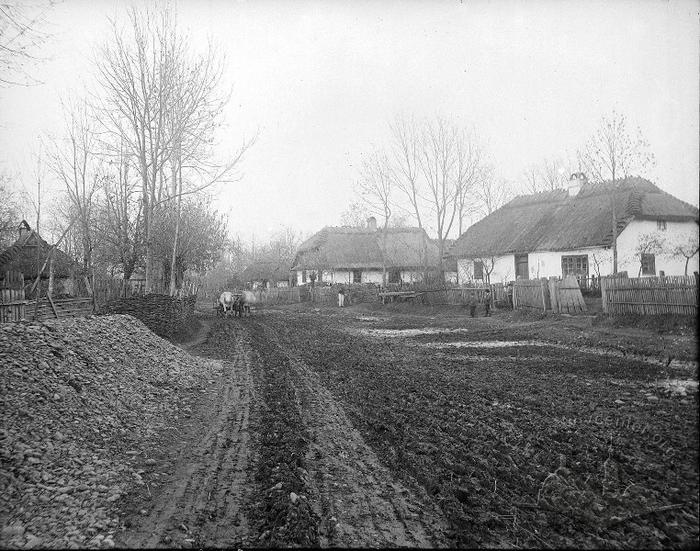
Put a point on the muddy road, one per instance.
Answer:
(356, 429)
(269, 458)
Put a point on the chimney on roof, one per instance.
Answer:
(372, 223)
(577, 180)
(24, 228)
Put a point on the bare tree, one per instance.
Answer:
(120, 216)
(135, 73)
(21, 34)
(74, 163)
(405, 160)
(612, 153)
(162, 102)
(376, 188)
(470, 170)
(438, 162)
(492, 192)
(9, 212)
(548, 175)
(686, 248)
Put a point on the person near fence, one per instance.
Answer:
(341, 297)
(487, 302)
(472, 304)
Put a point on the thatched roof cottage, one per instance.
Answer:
(358, 255)
(569, 232)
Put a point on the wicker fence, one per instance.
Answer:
(650, 295)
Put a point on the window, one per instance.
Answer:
(648, 264)
(478, 269)
(575, 265)
(394, 276)
(661, 225)
(357, 276)
(303, 276)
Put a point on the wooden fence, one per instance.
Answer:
(280, 295)
(12, 301)
(650, 295)
(561, 297)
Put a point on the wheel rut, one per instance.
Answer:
(202, 502)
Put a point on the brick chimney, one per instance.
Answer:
(372, 223)
(577, 180)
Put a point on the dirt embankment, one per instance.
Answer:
(85, 404)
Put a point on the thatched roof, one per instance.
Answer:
(347, 248)
(22, 256)
(266, 270)
(554, 221)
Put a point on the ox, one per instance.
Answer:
(227, 302)
(243, 302)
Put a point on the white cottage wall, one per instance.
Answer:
(676, 232)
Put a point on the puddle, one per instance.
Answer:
(484, 344)
(410, 332)
(611, 352)
(677, 386)
(370, 318)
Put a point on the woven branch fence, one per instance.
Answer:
(650, 295)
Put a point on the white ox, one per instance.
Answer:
(243, 302)
(226, 300)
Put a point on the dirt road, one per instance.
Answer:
(201, 502)
(342, 429)
(270, 458)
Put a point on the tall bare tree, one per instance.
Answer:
(135, 73)
(74, 162)
(405, 159)
(376, 188)
(613, 152)
(439, 166)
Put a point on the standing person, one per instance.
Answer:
(341, 297)
(487, 302)
(472, 304)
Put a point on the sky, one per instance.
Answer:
(318, 83)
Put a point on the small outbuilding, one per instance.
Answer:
(30, 253)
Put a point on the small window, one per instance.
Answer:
(357, 276)
(394, 276)
(661, 225)
(648, 264)
(478, 269)
(576, 265)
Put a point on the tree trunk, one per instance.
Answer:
(177, 174)
(50, 291)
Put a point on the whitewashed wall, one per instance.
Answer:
(503, 270)
(548, 263)
(675, 232)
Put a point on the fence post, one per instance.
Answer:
(604, 293)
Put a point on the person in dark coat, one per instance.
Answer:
(472, 304)
(487, 302)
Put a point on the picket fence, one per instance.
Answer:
(650, 295)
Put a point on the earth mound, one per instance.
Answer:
(83, 401)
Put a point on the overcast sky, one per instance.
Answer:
(320, 80)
